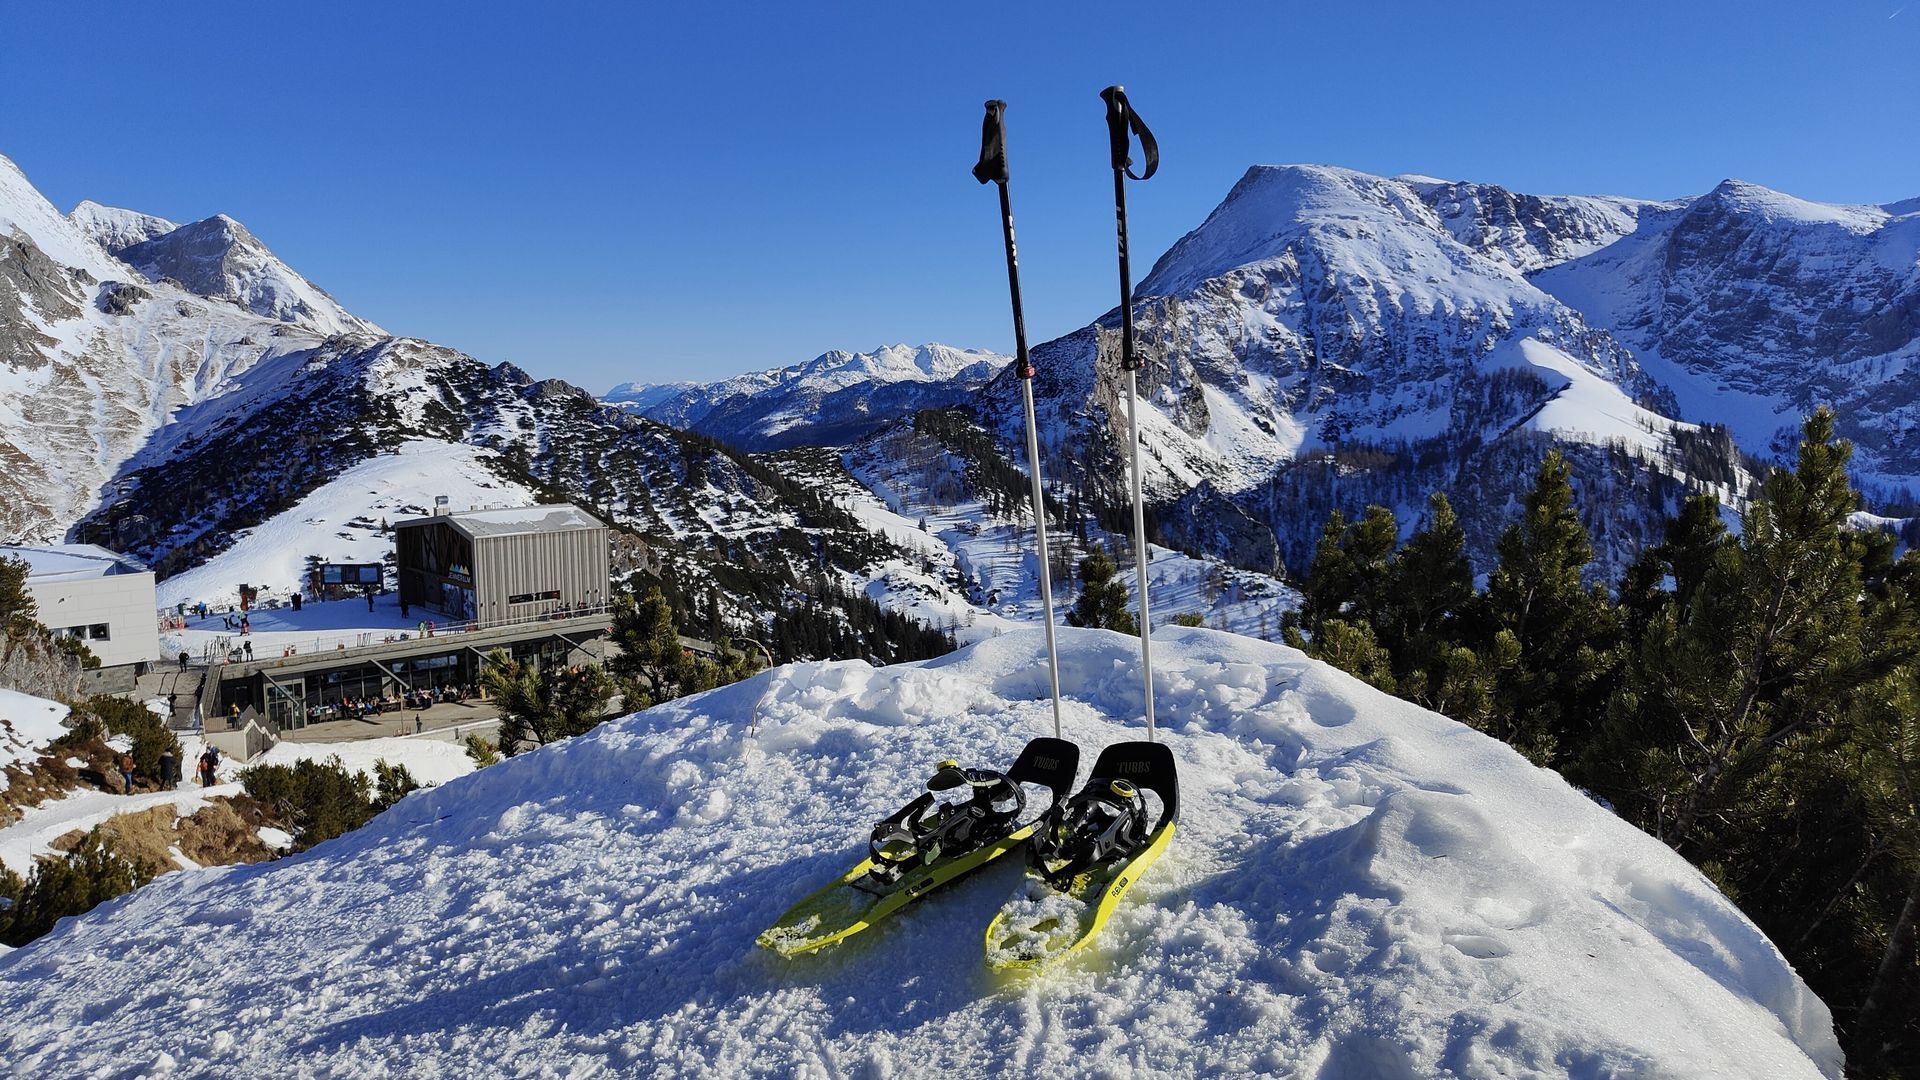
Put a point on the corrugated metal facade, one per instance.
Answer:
(571, 564)
(446, 563)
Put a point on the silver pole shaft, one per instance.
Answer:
(1040, 532)
(1140, 544)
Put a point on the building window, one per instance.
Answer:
(529, 598)
(99, 632)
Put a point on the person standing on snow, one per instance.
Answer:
(126, 774)
(166, 770)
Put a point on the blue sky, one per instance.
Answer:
(604, 193)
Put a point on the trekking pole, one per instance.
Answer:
(992, 168)
(1122, 124)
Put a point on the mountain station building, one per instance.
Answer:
(103, 598)
(532, 582)
(503, 566)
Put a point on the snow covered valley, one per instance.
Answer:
(1358, 888)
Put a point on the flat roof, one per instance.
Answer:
(71, 562)
(514, 521)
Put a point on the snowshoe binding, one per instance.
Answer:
(1085, 855)
(928, 843)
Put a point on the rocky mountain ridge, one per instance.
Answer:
(96, 357)
(833, 399)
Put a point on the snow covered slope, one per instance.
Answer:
(27, 725)
(830, 400)
(341, 520)
(1358, 888)
(95, 356)
(1328, 338)
(1755, 306)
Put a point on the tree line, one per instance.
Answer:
(1752, 698)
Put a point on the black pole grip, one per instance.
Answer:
(1123, 122)
(992, 168)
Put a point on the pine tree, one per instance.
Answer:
(1770, 650)
(1693, 540)
(1351, 648)
(1350, 574)
(1369, 544)
(1553, 698)
(650, 650)
(88, 875)
(1886, 744)
(19, 614)
(1429, 587)
(541, 706)
(1103, 600)
(1329, 582)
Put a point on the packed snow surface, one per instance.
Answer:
(1357, 888)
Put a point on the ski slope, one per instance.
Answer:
(1358, 888)
(340, 520)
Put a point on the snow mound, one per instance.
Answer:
(429, 760)
(1358, 887)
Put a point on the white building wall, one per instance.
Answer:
(124, 603)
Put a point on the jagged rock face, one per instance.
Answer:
(1530, 232)
(1321, 315)
(120, 298)
(219, 258)
(1788, 304)
(830, 400)
(34, 292)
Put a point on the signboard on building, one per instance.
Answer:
(350, 574)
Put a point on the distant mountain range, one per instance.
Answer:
(1325, 338)
(830, 400)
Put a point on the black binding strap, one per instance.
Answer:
(992, 168)
(1122, 120)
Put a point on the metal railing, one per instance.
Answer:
(229, 649)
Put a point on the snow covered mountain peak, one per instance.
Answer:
(220, 258)
(1733, 196)
(833, 398)
(116, 229)
(23, 210)
(1274, 206)
(894, 363)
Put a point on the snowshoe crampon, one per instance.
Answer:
(1084, 856)
(930, 842)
